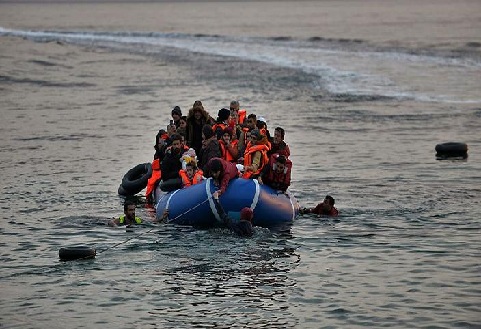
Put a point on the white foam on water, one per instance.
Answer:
(386, 74)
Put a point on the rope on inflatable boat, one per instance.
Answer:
(125, 241)
(150, 230)
(189, 210)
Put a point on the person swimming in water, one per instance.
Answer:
(326, 208)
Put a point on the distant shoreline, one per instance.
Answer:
(452, 28)
(141, 1)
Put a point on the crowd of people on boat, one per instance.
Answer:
(236, 144)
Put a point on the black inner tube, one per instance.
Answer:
(76, 252)
(451, 150)
(136, 179)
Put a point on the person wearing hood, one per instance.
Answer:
(243, 227)
(196, 120)
(176, 115)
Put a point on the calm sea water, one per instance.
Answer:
(362, 123)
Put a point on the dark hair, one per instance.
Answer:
(252, 115)
(175, 137)
(281, 130)
(260, 124)
(215, 165)
(128, 203)
(234, 102)
(207, 131)
(183, 118)
(330, 199)
(256, 134)
(281, 159)
(177, 110)
(223, 114)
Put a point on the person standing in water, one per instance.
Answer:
(128, 218)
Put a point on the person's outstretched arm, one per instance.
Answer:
(220, 210)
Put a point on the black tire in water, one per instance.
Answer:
(451, 150)
(135, 180)
(78, 252)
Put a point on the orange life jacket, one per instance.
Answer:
(188, 182)
(245, 130)
(154, 179)
(225, 153)
(242, 116)
(250, 150)
(218, 129)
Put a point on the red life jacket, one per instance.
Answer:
(250, 150)
(245, 130)
(188, 182)
(274, 178)
(218, 129)
(242, 116)
(225, 154)
(154, 179)
(319, 211)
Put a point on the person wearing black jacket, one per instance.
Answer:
(171, 164)
(243, 227)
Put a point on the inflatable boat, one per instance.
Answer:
(193, 206)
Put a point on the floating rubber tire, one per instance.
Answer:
(75, 253)
(121, 191)
(136, 179)
(451, 150)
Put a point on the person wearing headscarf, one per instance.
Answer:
(176, 115)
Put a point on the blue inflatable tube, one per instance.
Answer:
(193, 206)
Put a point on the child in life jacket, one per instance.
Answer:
(228, 145)
(191, 175)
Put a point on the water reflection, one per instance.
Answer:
(240, 276)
